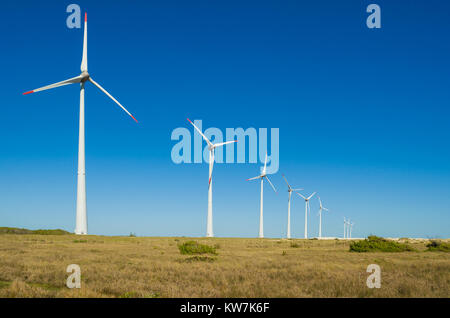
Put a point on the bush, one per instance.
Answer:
(378, 244)
(438, 246)
(192, 247)
(295, 245)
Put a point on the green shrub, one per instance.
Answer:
(438, 246)
(192, 247)
(378, 244)
(295, 245)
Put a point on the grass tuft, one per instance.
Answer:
(192, 259)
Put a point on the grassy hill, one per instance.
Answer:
(14, 230)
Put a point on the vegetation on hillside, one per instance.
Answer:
(378, 244)
(438, 246)
(14, 230)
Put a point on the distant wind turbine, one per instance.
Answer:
(288, 235)
(345, 229)
(262, 176)
(320, 216)
(351, 225)
(81, 219)
(307, 208)
(348, 228)
(211, 147)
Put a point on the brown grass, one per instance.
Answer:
(35, 266)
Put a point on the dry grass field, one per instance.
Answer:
(35, 266)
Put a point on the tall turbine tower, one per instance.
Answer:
(320, 216)
(348, 228)
(345, 229)
(307, 208)
(81, 219)
(211, 147)
(288, 235)
(262, 176)
(351, 225)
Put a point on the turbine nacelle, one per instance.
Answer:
(84, 76)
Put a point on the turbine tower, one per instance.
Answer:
(320, 216)
(307, 208)
(262, 176)
(351, 225)
(345, 229)
(81, 218)
(288, 235)
(211, 147)
(348, 228)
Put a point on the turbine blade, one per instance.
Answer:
(109, 95)
(285, 180)
(297, 189)
(311, 195)
(265, 164)
(325, 209)
(301, 195)
(254, 178)
(224, 143)
(211, 165)
(72, 80)
(271, 184)
(200, 132)
(84, 63)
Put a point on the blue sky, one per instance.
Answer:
(363, 115)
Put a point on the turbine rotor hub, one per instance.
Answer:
(85, 76)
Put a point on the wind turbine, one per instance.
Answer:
(289, 207)
(345, 229)
(211, 147)
(320, 216)
(262, 176)
(351, 225)
(307, 208)
(348, 228)
(81, 219)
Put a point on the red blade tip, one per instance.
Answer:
(189, 120)
(85, 17)
(29, 92)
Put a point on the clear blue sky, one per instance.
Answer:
(363, 114)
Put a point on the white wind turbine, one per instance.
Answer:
(351, 225)
(345, 229)
(262, 176)
(307, 208)
(320, 216)
(211, 147)
(288, 235)
(81, 219)
(347, 235)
